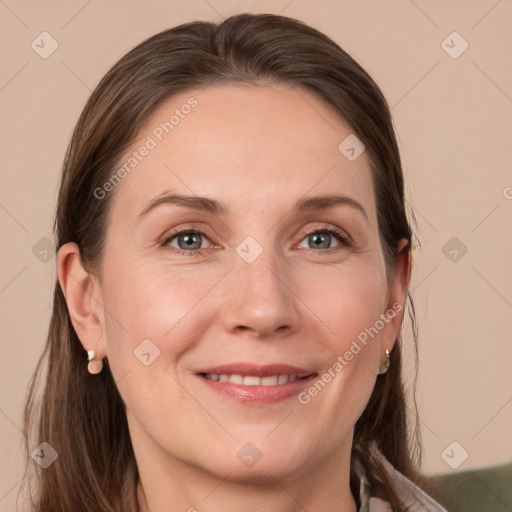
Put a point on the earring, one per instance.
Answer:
(93, 367)
(385, 367)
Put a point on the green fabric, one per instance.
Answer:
(479, 490)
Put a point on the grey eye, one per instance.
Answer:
(318, 240)
(187, 241)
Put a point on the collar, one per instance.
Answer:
(414, 499)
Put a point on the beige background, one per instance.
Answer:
(454, 122)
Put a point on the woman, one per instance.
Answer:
(233, 269)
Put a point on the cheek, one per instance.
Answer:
(155, 315)
(155, 310)
(348, 300)
(349, 305)
(152, 321)
(166, 310)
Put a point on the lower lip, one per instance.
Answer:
(259, 394)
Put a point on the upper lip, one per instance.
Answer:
(255, 370)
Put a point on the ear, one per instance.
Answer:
(83, 297)
(397, 295)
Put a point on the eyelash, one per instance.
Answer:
(341, 236)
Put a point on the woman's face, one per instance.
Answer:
(242, 237)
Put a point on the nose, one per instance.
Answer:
(260, 299)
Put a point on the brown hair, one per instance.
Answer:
(82, 416)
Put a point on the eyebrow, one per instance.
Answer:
(193, 202)
(328, 201)
(217, 208)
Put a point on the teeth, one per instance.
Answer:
(271, 381)
(282, 379)
(251, 380)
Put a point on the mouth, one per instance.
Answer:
(253, 380)
(248, 383)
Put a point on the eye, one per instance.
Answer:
(194, 242)
(187, 241)
(323, 239)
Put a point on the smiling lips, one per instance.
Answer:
(258, 384)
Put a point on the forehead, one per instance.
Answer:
(245, 144)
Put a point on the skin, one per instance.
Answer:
(258, 149)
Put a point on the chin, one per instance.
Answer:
(259, 462)
(261, 473)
